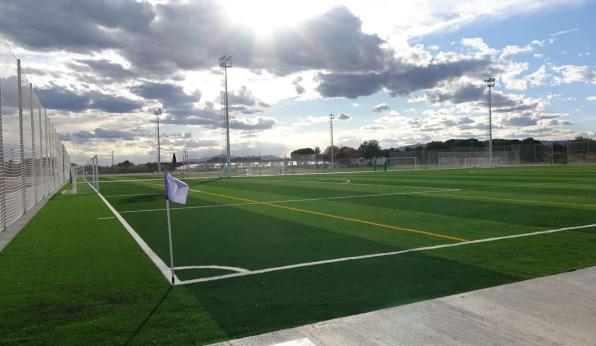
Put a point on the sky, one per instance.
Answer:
(400, 72)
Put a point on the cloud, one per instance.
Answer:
(76, 26)
(344, 116)
(243, 96)
(63, 99)
(591, 98)
(105, 69)
(381, 107)
(574, 73)
(519, 121)
(399, 80)
(165, 37)
(476, 95)
(167, 94)
(298, 87)
(514, 50)
(172, 97)
(260, 123)
(98, 133)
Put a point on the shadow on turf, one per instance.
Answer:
(155, 308)
(207, 181)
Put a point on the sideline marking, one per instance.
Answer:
(366, 222)
(381, 254)
(159, 263)
(287, 200)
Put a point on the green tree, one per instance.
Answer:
(327, 153)
(435, 145)
(302, 151)
(347, 153)
(370, 149)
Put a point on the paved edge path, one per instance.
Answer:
(551, 310)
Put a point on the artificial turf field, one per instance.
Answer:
(249, 250)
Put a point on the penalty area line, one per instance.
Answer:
(382, 254)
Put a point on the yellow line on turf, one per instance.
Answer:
(436, 235)
(527, 201)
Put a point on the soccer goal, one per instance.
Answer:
(401, 162)
(449, 162)
(482, 162)
(89, 172)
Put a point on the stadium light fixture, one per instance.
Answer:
(490, 83)
(157, 112)
(331, 117)
(225, 62)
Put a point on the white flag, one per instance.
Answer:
(176, 190)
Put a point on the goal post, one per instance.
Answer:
(89, 173)
(408, 162)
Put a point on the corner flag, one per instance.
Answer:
(175, 191)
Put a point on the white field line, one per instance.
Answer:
(301, 181)
(149, 179)
(288, 200)
(234, 269)
(106, 218)
(136, 194)
(343, 182)
(381, 254)
(163, 268)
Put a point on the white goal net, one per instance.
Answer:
(401, 163)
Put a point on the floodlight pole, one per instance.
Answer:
(157, 112)
(331, 117)
(490, 83)
(225, 62)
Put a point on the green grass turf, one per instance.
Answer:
(68, 278)
(95, 284)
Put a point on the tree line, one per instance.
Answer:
(371, 148)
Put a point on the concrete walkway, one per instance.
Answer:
(553, 310)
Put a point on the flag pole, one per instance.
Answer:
(170, 238)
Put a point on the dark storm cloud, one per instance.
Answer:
(64, 99)
(398, 79)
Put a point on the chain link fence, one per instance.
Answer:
(33, 161)
(572, 152)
